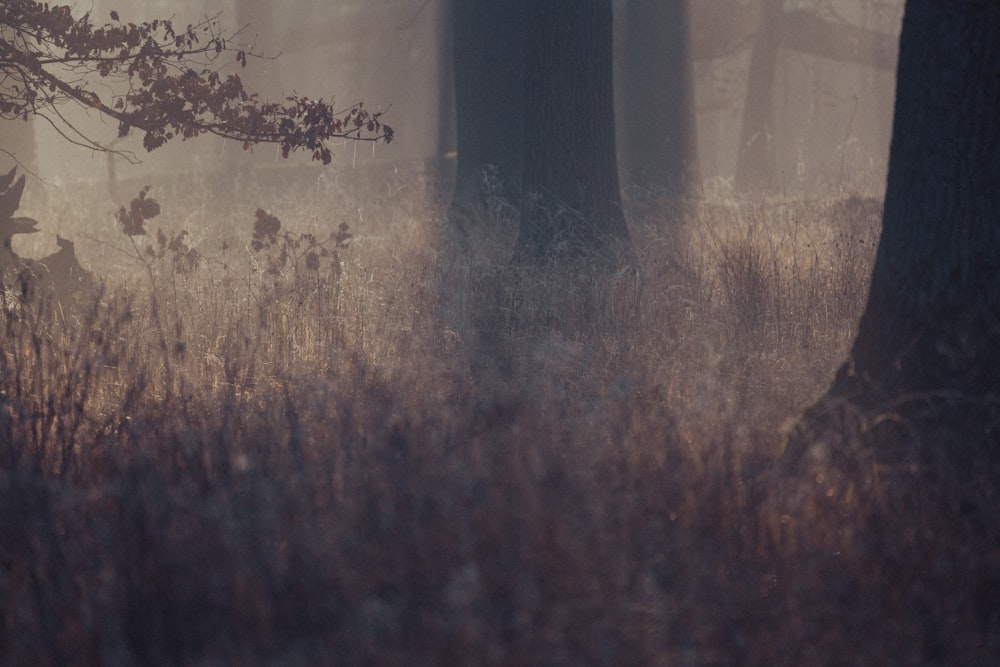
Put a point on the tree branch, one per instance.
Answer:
(166, 96)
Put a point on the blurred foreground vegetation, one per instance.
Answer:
(381, 450)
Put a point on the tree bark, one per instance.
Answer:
(927, 353)
(938, 263)
(489, 90)
(659, 121)
(572, 205)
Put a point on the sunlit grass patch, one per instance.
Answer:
(392, 455)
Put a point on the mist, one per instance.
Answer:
(822, 99)
(455, 399)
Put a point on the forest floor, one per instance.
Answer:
(298, 448)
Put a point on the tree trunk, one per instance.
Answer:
(256, 18)
(659, 121)
(444, 34)
(572, 204)
(489, 84)
(755, 161)
(261, 75)
(18, 144)
(17, 135)
(927, 353)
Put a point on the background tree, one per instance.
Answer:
(814, 94)
(256, 23)
(535, 115)
(165, 82)
(755, 158)
(445, 141)
(658, 109)
(571, 203)
(488, 57)
(18, 133)
(926, 358)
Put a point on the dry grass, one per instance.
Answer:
(411, 457)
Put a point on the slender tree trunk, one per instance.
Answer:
(17, 136)
(262, 75)
(659, 121)
(256, 17)
(572, 203)
(755, 161)
(17, 144)
(444, 34)
(927, 354)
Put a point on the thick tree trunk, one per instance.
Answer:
(489, 84)
(572, 203)
(937, 274)
(927, 354)
(659, 122)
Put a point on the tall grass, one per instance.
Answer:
(404, 457)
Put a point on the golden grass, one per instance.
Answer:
(413, 457)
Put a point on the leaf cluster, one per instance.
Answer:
(141, 209)
(157, 78)
(283, 250)
(176, 248)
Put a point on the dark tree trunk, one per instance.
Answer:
(572, 204)
(659, 121)
(938, 263)
(445, 35)
(489, 90)
(755, 160)
(927, 354)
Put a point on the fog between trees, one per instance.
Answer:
(815, 85)
(289, 434)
